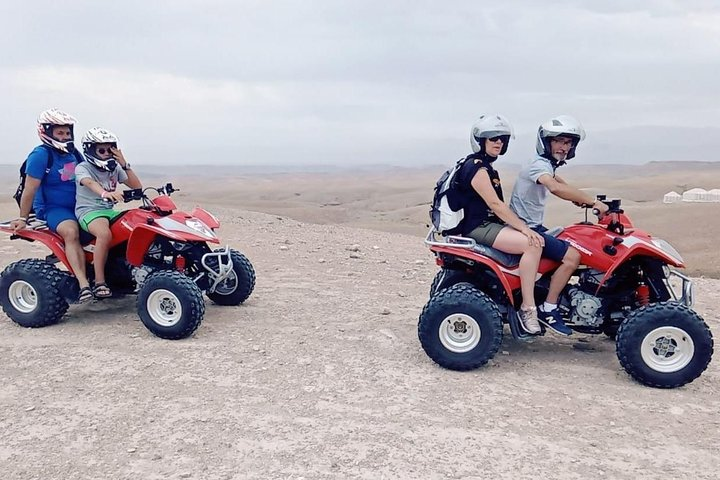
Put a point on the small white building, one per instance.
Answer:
(672, 197)
(695, 195)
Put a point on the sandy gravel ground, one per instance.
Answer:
(320, 375)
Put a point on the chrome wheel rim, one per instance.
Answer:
(22, 296)
(229, 285)
(667, 349)
(459, 333)
(164, 307)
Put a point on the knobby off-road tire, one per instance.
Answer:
(31, 293)
(664, 345)
(170, 305)
(460, 328)
(239, 285)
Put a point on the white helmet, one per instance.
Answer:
(490, 126)
(562, 125)
(54, 118)
(91, 139)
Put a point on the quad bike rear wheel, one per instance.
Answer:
(460, 328)
(446, 278)
(170, 305)
(664, 345)
(31, 293)
(239, 285)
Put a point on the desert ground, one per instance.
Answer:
(320, 375)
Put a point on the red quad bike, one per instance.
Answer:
(627, 288)
(159, 253)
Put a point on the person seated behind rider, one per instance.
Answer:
(487, 219)
(557, 141)
(50, 191)
(97, 180)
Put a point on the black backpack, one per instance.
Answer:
(23, 174)
(446, 215)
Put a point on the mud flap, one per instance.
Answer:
(69, 288)
(517, 331)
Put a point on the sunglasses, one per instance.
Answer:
(501, 138)
(103, 150)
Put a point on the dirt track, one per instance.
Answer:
(320, 376)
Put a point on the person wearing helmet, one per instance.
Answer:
(488, 220)
(50, 188)
(557, 141)
(97, 180)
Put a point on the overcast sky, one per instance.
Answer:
(399, 82)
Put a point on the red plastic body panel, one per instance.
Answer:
(206, 217)
(48, 238)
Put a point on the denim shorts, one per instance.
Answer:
(54, 216)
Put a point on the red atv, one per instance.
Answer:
(627, 288)
(159, 253)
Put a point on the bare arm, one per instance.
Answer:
(31, 187)
(561, 189)
(482, 185)
(88, 182)
(132, 181)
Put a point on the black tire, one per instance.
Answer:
(446, 278)
(611, 331)
(31, 293)
(170, 305)
(664, 345)
(239, 285)
(460, 328)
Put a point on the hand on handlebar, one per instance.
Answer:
(114, 197)
(600, 209)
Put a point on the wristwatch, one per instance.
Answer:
(126, 166)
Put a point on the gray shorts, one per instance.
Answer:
(486, 233)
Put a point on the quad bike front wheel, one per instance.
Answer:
(170, 305)
(664, 345)
(31, 293)
(460, 328)
(238, 286)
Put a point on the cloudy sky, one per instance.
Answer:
(363, 82)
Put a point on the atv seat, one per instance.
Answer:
(506, 259)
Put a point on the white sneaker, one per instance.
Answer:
(529, 320)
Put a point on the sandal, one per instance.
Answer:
(85, 295)
(101, 290)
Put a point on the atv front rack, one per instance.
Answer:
(224, 268)
(686, 295)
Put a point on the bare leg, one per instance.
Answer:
(100, 227)
(512, 241)
(69, 230)
(562, 275)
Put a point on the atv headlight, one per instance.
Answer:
(667, 248)
(200, 227)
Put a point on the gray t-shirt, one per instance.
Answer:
(86, 200)
(528, 196)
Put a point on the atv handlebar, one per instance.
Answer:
(139, 193)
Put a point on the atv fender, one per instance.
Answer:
(644, 250)
(500, 272)
(51, 240)
(140, 240)
(206, 217)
